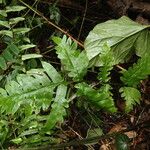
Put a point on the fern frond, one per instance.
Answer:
(52, 72)
(58, 108)
(27, 89)
(131, 96)
(107, 62)
(73, 61)
(137, 72)
(100, 99)
(15, 44)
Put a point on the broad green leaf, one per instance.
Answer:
(27, 46)
(14, 8)
(131, 96)
(52, 72)
(3, 64)
(30, 56)
(122, 142)
(6, 32)
(21, 30)
(142, 44)
(15, 20)
(5, 24)
(101, 99)
(120, 35)
(137, 72)
(58, 108)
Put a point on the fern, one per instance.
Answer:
(74, 62)
(58, 108)
(60, 102)
(107, 62)
(131, 96)
(138, 72)
(31, 92)
(16, 42)
(99, 99)
(27, 89)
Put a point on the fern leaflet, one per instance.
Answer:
(107, 62)
(15, 36)
(27, 89)
(58, 108)
(99, 99)
(131, 96)
(138, 72)
(72, 60)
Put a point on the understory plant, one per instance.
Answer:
(13, 39)
(34, 103)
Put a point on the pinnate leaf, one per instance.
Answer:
(138, 72)
(73, 61)
(58, 108)
(100, 99)
(131, 96)
(25, 90)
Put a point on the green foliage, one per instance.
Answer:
(34, 102)
(131, 95)
(8, 55)
(30, 56)
(123, 36)
(72, 61)
(107, 61)
(26, 97)
(52, 72)
(137, 72)
(58, 108)
(60, 102)
(122, 142)
(100, 99)
(13, 37)
(54, 12)
(21, 91)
